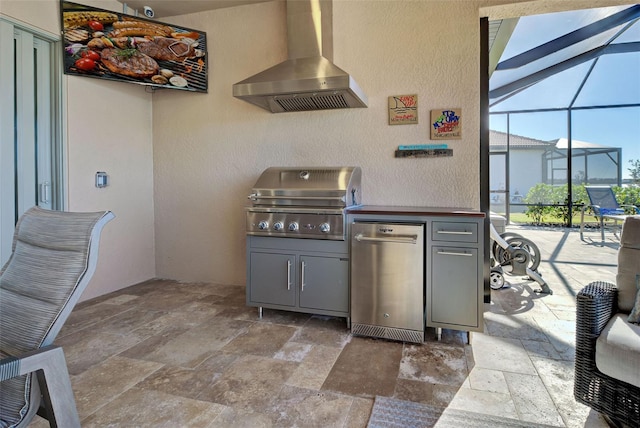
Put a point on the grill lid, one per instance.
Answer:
(312, 186)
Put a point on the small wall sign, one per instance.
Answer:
(403, 109)
(446, 124)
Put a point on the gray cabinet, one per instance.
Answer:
(455, 280)
(324, 284)
(271, 278)
(298, 275)
(453, 294)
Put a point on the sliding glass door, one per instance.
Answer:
(29, 127)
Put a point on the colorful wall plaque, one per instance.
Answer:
(403, 109)
(446, 124)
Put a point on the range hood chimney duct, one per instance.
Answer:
(308, 79)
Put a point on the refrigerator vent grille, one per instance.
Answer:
(387, 333)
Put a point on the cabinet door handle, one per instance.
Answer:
(302, 276)
(454, 253)
(454, 232)
(288, 274)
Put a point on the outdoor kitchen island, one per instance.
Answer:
(313, 247)
(452, 266)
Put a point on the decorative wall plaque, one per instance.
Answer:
(403, 110)
(446, 124)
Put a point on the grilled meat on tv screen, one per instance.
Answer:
(115, 46)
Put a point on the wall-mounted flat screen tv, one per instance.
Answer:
(115, 46)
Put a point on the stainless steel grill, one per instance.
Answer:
(303, 202)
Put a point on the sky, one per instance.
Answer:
(613, 80)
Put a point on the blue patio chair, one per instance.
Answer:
(604, 205)
(54, 256)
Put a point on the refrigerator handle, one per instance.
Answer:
(406, 239)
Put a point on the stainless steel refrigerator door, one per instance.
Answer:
(387, 275)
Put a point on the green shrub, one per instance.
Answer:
(627, 195)
(539, 194)
(547, 200)
(538, 197)
(537, 212)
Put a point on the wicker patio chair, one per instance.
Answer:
(54, 256)
(602, 312)
(604, 205)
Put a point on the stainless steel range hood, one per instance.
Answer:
(308, 80)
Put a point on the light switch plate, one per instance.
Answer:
(102, 179)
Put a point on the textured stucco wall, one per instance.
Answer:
(112, 133)
(210, 149)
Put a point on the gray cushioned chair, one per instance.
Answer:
(53, 257)
(607, 366)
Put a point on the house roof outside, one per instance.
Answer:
(563, 143)
(498, 142)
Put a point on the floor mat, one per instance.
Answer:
(391, 413)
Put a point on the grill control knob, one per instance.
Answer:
(324, 227)
(293, 226)
(278, 225)
(263, 225)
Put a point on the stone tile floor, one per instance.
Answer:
(164, 353)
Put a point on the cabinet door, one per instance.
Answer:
(454, 286)
(324, 283)
(272, 279)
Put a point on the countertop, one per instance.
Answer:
(414, 211)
